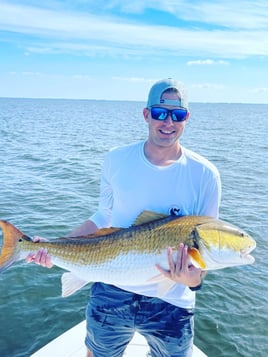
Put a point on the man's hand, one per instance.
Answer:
(41, 257)
(181, 271)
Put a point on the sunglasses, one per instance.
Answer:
(159, 113)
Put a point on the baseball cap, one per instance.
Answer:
(154, 97)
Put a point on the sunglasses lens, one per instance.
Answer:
(177, 115)
(159, 113)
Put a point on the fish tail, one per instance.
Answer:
(9, 251)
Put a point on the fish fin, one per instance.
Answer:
(98, 233)
(148, 216)
(197, 258)
(11, 238)
(157, 278)
(103, 232)
(71, 283)
(163, 284)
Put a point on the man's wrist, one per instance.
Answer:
(195, 288)
(199, 286)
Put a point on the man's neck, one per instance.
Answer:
(161, 155)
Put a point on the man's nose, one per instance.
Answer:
(168, 119)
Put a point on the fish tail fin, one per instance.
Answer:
(11, 235)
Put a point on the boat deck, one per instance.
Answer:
(71, 344)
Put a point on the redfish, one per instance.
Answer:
(128, 256)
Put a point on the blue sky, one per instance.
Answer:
(116, 49)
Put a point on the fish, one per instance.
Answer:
(128, 256)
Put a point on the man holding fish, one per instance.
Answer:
(159, 175)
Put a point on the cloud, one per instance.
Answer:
(82, 77)
(207, 86)
(260, 90)
(57, 30)
(207, 62)
(31, 74)
(238, 15)
(226, 14)
(134, 79)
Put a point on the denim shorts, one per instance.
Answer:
(113, 315)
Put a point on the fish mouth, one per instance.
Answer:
(246, 251)
(248, 259)
(245, 255)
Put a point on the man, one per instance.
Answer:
(162, 176)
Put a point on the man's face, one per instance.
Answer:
(164, 132)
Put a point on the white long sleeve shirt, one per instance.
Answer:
(131, 184)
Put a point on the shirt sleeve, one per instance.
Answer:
(211, 196)
(102, 217)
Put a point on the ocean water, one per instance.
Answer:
(51, 153)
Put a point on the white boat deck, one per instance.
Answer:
(71, 344)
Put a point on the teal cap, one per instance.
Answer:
(154, 97)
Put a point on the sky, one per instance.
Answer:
(116, 49)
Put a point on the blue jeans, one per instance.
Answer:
(113, 315)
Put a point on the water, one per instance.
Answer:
(50, 158)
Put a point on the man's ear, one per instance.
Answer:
(188, 116)
(146, 113)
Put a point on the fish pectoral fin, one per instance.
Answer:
(157, 278)
(148, 216)
(71, 283)
(163, 284)
(197, 258)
